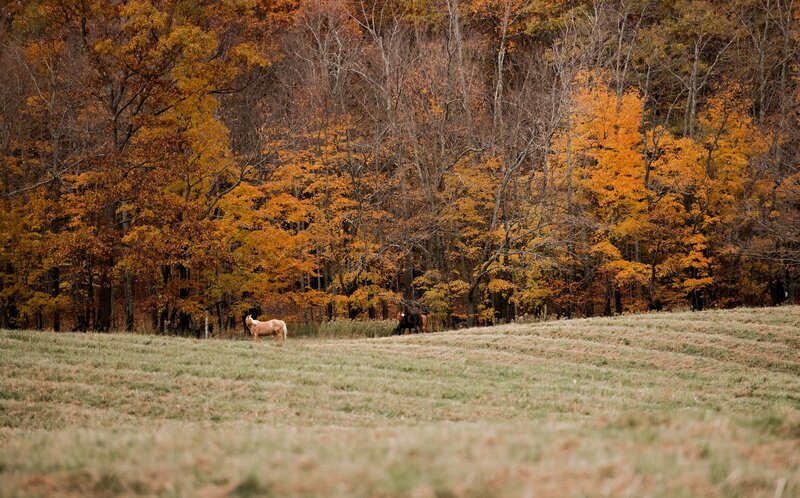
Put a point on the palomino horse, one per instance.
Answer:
(270, 327)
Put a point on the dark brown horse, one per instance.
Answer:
(413, 322)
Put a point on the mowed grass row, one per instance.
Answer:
(685, 404)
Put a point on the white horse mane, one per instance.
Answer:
(270, 327)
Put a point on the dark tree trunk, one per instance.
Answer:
(4, 305)
(472, 306)
(55, 290)
(83, 303)
(105, 301)
(697, 300)
(352, 312)
(128, 302)
(409, 293)
(10, 314)
(154, 318)
(105, 305)
(777, 291)
(166, 275)
(126, 223)
(184, 319)
(91, 311)
(162, 321)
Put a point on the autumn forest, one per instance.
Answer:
(164, 160)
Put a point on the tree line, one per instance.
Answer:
(313, 160)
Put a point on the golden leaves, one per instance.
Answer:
(606, 249)
(250, 55)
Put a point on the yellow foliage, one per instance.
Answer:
(606, 249)
(628, 272)
(500, 286)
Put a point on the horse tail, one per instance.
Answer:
(285, 330)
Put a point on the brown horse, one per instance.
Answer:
(410, 322)
(270, 327)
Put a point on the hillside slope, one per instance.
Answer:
(684, 404)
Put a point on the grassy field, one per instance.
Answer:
(684, 404)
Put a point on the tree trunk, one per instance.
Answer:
(106, 295)
(154, 318)
(126, 223)
(352, 312)
(184, 319)
(472, 306)
(12, 311)
(3, 309)
(569, 159)
(455, 32)
(55, 290)
(162, 320)
(410, 292)
(691, 97)
(105, 301)
(497, 118)
(128, 302)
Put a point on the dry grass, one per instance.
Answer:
(685, 404)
